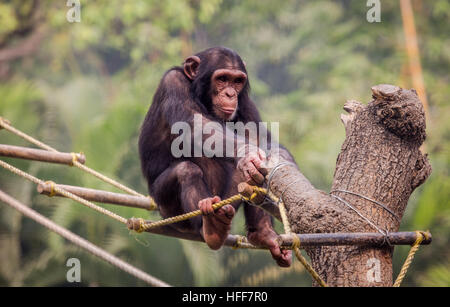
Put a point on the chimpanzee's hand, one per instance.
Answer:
(251, 165)
(267, 237)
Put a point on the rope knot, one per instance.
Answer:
(421, 235)
(238, 243)
(52, 188)
(136, 224)
(295, 241)
(153, 205)
(74, 158)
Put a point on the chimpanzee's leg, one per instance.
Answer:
(180, 189)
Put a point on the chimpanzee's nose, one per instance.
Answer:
(230, 93)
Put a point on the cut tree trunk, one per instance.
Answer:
(381, 160)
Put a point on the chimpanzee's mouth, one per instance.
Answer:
(227, 111)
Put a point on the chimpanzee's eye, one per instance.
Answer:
(222, 78)
(239, 80)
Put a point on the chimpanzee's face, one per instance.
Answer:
(226, 85)
(226, 79)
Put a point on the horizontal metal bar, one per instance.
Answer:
(40, 155)
(99, 196)
(363, 239)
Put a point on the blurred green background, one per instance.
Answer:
(87, 87)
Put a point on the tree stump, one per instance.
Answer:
(379, 160)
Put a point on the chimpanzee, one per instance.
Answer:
(213, 84)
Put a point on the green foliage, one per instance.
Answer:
(437, 276)
(89, 84)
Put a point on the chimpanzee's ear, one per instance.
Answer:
(191, 66)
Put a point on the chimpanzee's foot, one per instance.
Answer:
(216, 224)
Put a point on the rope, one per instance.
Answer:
(52, 188)
(287, 227)
(420, 237)
(296, 240)
(24, 136)
(153, 205)
(77, 240)
(7, 126)
(107, 179)
(74, 158)
(142, 224)
(63, 192)
(296, 247)
(20, 172)
(241, 241)
(189, 215)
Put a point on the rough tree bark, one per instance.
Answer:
(380, 159)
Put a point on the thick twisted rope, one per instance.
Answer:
(287, 227)
(420, 237)
(77, 240)
(240, 242)
(5, 124)
(296, 246)
(67, 194)
(175, 219)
